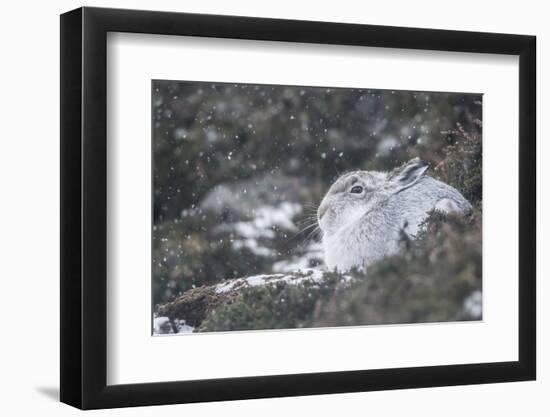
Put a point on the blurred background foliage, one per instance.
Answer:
(239, 169)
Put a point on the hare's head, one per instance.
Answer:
(358, 192)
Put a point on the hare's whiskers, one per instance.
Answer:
(303, 230)
(311, 236)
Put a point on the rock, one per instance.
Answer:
(194, 305)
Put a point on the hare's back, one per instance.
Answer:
(411, 206)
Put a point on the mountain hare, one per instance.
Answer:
(364, 213)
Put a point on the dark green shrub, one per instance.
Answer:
(462, 166)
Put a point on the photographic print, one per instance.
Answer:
(289, 207)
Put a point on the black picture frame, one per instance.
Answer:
(84, 207)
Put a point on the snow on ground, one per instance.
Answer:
(162, 325)
(253, 246)
(473, 304)
(269, 216)
(261, 226)
(299, 276)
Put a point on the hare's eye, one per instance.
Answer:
(356, 189)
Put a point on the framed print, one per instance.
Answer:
(256, 208)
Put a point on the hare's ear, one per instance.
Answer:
(408, 175)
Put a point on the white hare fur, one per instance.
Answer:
(364, 213)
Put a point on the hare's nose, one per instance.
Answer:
(322, 210)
